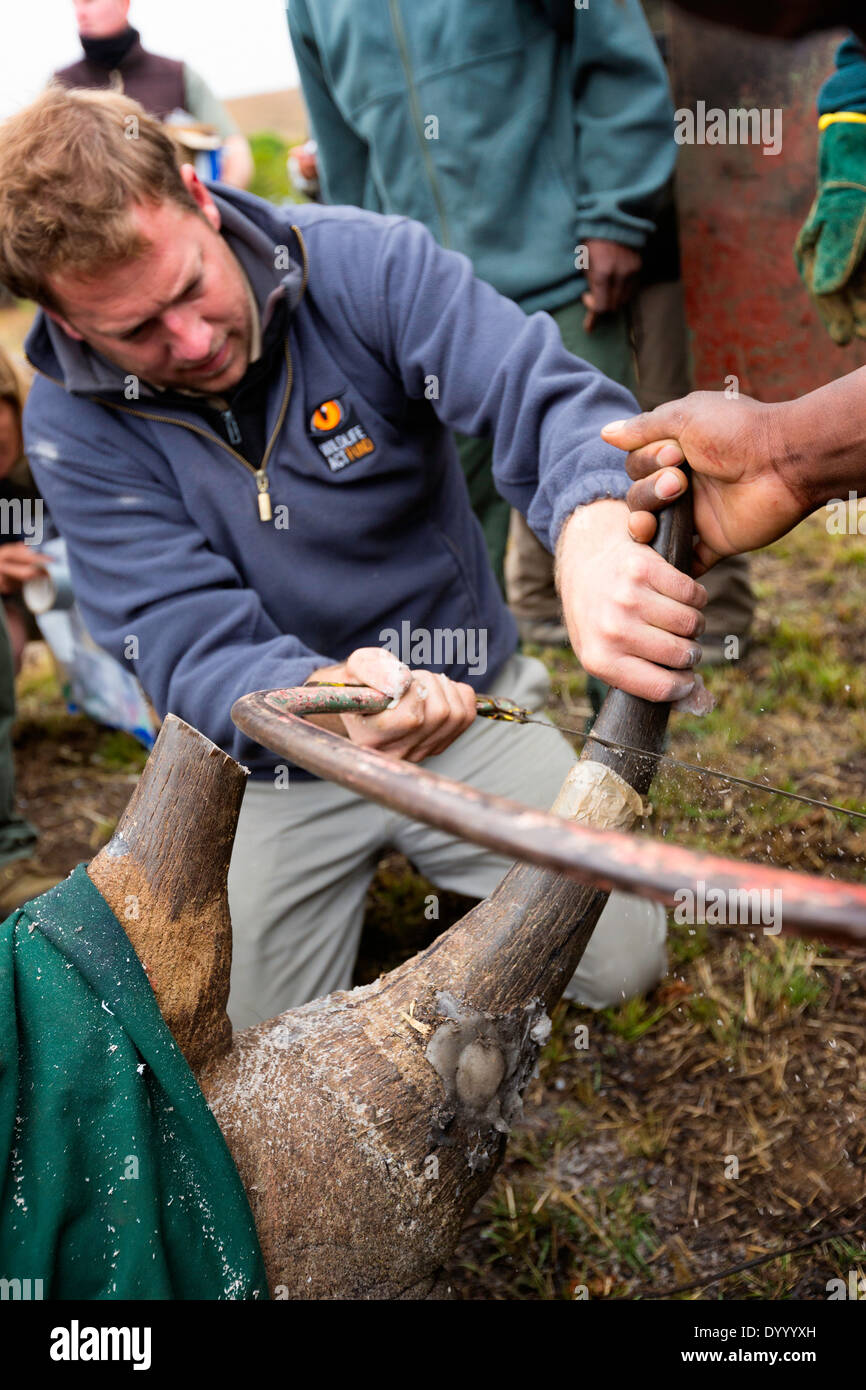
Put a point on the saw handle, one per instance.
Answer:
(676, 525)
(628, 718)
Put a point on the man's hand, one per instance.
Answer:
(629, 613)
(742, 500)
(612, 273)
(18, 563)
(430, 713)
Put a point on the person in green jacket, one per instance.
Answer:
(21, 875)
(831, 248)
(758, 468)
(536, 137)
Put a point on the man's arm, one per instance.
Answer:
(429, 710)
(487, 369)
(343, 157)
(758, 468)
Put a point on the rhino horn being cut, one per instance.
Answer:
(365, 1125)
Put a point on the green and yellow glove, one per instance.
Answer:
(831, 246)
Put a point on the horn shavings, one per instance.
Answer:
(597, 795)
(423, 1028)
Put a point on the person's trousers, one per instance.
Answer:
(17, 836)
(645, 348)
(305, 854)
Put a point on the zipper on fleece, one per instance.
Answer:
(263, 496)
(400, 36)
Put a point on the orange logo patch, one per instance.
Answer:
(326, 417)
(338, 434)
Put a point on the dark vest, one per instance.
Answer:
(157, 83)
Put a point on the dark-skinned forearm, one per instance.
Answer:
(818, 443)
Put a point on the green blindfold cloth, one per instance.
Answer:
(118, 1181)
(830, 247)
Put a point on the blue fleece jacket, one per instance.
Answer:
(391, 342)
(515, 130)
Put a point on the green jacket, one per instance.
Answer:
(515, 130)
(118, 1182)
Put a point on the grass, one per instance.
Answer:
(751, 1046)
(564, 1247)
(73, 776)
(271, 179)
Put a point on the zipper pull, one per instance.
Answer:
(265, 510)
(233, 429)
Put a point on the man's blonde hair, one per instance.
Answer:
(72, 166)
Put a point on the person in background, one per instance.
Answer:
(831, 248)
(537, 139)
(18, 562)
(114, 57)
(21, 876)
(303, 170)
(759, 468)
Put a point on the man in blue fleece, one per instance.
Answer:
(242, 428)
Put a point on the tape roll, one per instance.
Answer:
(49, 592)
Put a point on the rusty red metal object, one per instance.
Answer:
(606, 859)
(740, 211)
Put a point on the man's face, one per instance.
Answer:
(101, 19)
(177, 316)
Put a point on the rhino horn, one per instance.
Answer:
(364, 1125)
(163, 874)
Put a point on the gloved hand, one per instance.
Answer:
(830, 248)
